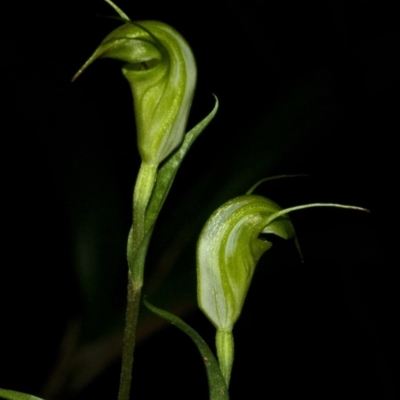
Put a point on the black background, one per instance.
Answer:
(304, 87)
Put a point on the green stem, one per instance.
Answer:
(131, 318)
(141, 196)
(138, 242)
(225, 352)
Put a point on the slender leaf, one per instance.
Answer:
(216, 382)
(13, 395)
(168, 171)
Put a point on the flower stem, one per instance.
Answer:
(225, 352)
(138, 242)
(137, 237)
(131, 318)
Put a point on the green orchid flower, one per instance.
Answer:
(228, 251)
(161, 70)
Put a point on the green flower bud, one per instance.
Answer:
(161, 70)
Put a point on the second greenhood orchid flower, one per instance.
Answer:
(228, 251)
(161, 70)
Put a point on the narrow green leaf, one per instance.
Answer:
(167, 172)
(13, 395)
(216, 382)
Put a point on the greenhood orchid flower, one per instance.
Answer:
(161, 70)
(228, 251)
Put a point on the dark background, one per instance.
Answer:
(304, 87)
